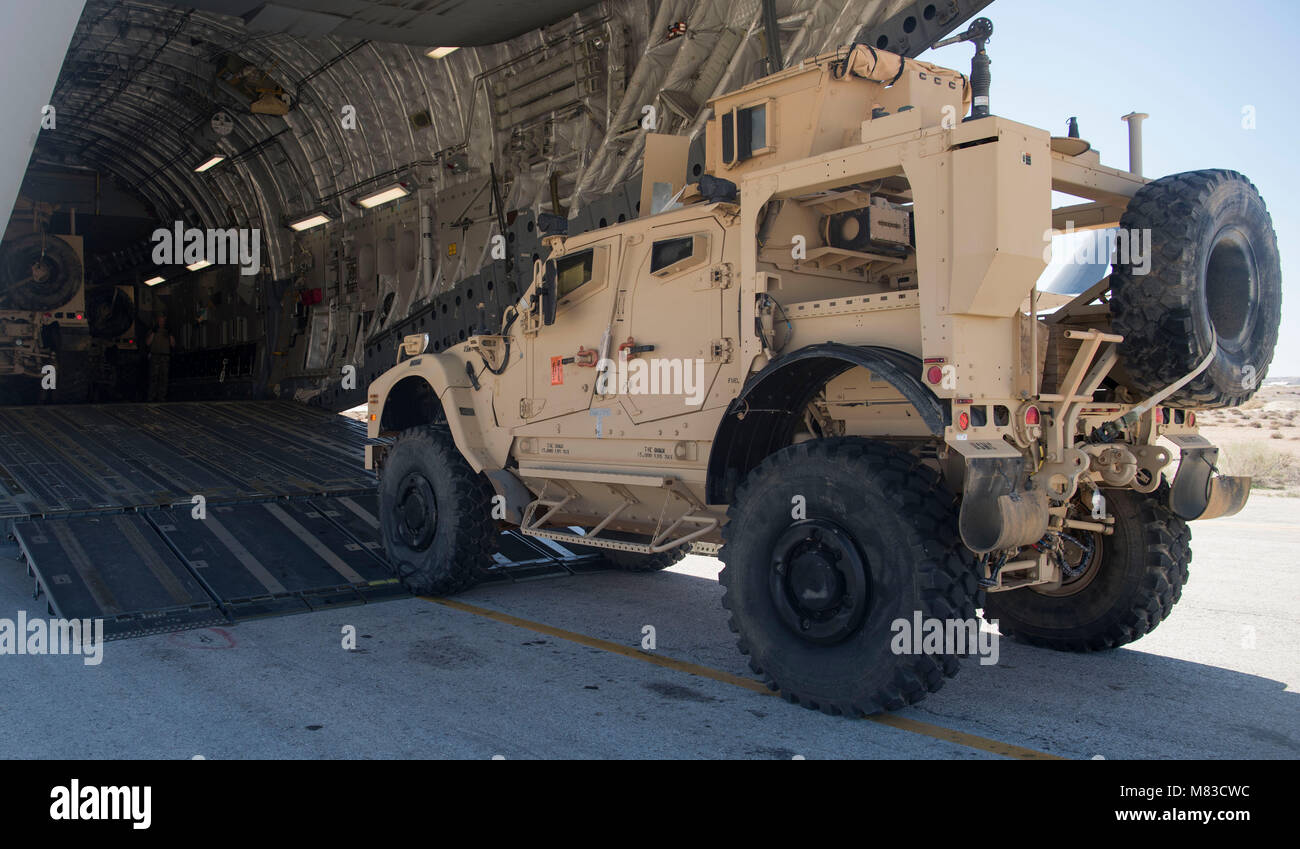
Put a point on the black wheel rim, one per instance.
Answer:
(416, 512)
(819, 581)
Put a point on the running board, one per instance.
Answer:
(664, 539)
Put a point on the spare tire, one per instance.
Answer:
(38, 272)
(1214, 285)
(109, 311)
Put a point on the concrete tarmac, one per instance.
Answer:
(566, 678)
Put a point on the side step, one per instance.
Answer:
(664, 539)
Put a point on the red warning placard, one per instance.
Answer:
(557, 371)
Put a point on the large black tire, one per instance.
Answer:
(1131, 588)
(73, 378)
(1214, 285)
(631, 561)
(38, 272)
(110, 312)
(860, 497)
(435, 514)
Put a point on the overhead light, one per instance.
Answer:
(384, 195)
(153, 281)
(313, 220)
(212, 160)
(440, 52)
(203, 263)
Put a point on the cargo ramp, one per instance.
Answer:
(161, 517)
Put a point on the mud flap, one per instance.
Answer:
(1198, 493)
(997, 511)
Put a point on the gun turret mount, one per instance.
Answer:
(978, 33)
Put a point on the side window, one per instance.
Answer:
(753, 129)
(670, 252)
(744, 133)
(678, 254)
(573, 271)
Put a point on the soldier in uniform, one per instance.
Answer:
(160, 344)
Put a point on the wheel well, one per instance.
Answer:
(766, 414)
(410, 403)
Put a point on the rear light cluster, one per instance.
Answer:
(1165, 415)
(934, 375)
(1031, 414)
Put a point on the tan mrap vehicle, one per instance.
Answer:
(828, 356)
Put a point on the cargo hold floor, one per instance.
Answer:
(70, 460)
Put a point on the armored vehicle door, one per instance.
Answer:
(563, 356)
(671, 344)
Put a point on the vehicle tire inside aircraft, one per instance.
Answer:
(1214, 286)
(631, 561)
(829, 545)
(73, 378)
(109, 312)
(38, 272)
(1128, 582)
(435, 513)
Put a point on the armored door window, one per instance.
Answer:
(671, 256)
(573, 271)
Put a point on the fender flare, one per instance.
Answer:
(761, 418)
(455, 395)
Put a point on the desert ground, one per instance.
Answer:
(1261, 438)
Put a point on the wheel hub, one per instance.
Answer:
(1080, 567)
(1232, 289)
(40, 271)
(819, 581)
(417, 511)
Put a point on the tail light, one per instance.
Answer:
(1032, 416)
(934, 375)
(963, 421)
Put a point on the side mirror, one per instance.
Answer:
(547, 291)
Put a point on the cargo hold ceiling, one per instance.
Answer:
(150, 90)
(450, 23)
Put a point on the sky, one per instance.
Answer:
(1193, 66)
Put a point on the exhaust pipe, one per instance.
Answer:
(1135, 120)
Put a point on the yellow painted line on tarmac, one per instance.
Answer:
(926, 729)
